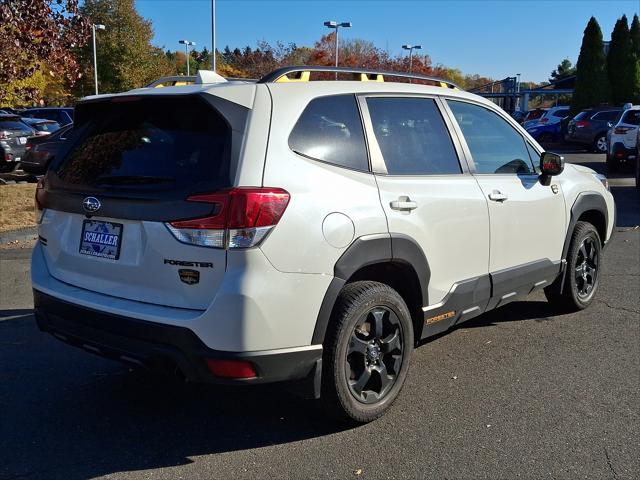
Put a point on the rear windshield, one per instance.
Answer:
(10, 124)
(156, 143)
(46, 126)
(533, 114)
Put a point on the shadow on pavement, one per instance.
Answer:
(67, 414)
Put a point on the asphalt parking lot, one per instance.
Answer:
(517, 393)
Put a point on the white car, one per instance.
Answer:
(314, 232)
(622, 139)
(553, 115)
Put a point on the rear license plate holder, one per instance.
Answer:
(101, 239)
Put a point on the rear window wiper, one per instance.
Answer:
(133, 180)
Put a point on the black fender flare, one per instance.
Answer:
(371, 250)
(585, 202)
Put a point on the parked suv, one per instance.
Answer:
(622, 139)
(304, 231)
(14, 134)
(62, 115)
(589, 127)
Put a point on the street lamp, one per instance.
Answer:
(187, 44)
(337, 25)
(411, 48)
(213, 35)
(95, 58)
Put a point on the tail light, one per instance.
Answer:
(242, 217)
(39, 209)
(4, 134)
(8, 157)
(621, 130)
(582, 124)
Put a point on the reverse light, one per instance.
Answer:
(4, 134)
(231, 368)
(242, 218)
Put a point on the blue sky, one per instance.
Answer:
(491, 38)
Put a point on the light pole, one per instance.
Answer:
(95, 58)
(213, 35)
(337, 25)
(187, 44)
(411, 48)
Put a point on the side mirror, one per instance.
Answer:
(551, 164)
(609, 124)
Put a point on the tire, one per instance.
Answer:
(612, 164)
(600, 143)
(581, 277)
(370, 334)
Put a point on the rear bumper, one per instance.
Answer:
(621, 152)
(165, 348)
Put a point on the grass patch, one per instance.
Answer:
(16, 206)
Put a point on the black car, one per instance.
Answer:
(41, 150)
(62, 115)
(14, 134)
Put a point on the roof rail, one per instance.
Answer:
(280, 74)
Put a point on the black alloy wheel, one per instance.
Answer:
(374, 355)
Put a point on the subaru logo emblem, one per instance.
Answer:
(91, 204)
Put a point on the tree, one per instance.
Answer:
(563, 70)
(126, 58)
(592, 84)
(36, 35)
(634, 33)
(621, 63)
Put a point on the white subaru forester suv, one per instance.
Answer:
(304, 232)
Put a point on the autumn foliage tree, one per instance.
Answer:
(37, 38)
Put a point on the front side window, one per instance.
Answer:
(412, 136)
(330, 130)
(496, 147)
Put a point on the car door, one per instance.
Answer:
(429, 195)
(527, 216)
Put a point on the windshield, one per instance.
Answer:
(149, 143)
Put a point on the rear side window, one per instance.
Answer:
(330, 130)
(11, 124)
(632, 117)
(158, 143)
(412, 136)
(606, 116)
(496, 147)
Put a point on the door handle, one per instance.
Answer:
(497, 196)
(404, 204)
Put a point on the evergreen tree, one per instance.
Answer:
(635, 35)
(635, 47)
(621, 63)
(592, 84)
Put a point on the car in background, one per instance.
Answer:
(589, 127)
(41, 150)
(638, 158)
(546, 134)
(518, 116)
(533, 116)
(62, 115)
(14, 134)
(622, 139)
(42, 126)
(554, 115)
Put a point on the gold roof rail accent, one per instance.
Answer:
(301, 76)
(368, 77)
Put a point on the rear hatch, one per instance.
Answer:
(13, 136)
(112, 192)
